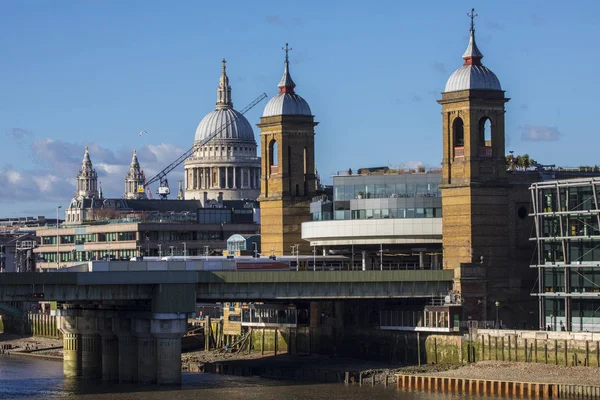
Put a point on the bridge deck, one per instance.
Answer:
(226, 285)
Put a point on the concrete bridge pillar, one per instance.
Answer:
(168, 333)
(71, 344)
(91, 355)
(110, 357)
(123, 328)
(110, 347)
(71, 354)
(91, 345)
(146, 352)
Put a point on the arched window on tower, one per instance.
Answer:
(485, 137)
(273, 157)
(305, 172)
(458, 136)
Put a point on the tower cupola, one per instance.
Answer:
(134, 180)
(87, 179)
(287, 102)
(472, 74)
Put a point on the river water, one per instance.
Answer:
(27, 378)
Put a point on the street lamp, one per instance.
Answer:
(160, 250)
(314, 257)
(184, 251)
(497, 304)
(57, 238)
(147, 246)
(171, 247)
(552, 327)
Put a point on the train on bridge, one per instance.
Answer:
(248, 263)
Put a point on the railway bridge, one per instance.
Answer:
(127, 324)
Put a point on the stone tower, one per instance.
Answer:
(87, 179)
(475, 222)
(288, 176)
(134, 180)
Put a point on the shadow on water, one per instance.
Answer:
(25, 378)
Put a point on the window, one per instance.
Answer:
(458, 132)
(485, 132)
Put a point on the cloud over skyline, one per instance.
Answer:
(50, 180)
(539, 133)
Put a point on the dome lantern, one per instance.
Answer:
(237, 126)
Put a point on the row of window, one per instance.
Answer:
(573, 225)
(571, 199)
(131, 236)
(582, 280)
(579, 250)
(123, 255)
(386, 213)
(386, 190)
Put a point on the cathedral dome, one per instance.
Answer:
(287, 102)
(236, 125)
(472, 75)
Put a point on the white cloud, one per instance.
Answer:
(13, 176)
(539, 133)
(50, 180)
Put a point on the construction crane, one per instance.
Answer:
(163, 187)
(142, 188)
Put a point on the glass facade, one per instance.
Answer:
(414, 195)
(568, 242)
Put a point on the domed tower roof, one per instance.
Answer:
(87, 178)
(224, 114)
(287, 102)
(472, 75)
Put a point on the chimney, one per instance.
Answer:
(205, 200)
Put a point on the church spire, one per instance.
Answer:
(472, 55)
(286, 85)
(224, 90)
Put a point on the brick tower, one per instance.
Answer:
(288, 176)
(475, 204)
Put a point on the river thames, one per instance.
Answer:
(27, 378)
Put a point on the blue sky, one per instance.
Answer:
(76, 73)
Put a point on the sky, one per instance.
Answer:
(95, 73)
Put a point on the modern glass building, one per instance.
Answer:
(567, 234)
(381, 219)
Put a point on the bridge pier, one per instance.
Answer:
(169, 352)
(146, 352)
(91, 345)
(71, 344)
(71, 354)
(127, 343)
(91, 355)
(110, 346)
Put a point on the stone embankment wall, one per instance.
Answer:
(558, 348)
(43, 325)
(35, 324)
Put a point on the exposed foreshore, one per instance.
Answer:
(359, 370)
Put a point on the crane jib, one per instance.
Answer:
(162, 174)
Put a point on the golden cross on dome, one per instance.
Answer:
(287, 50)
(472, 15)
